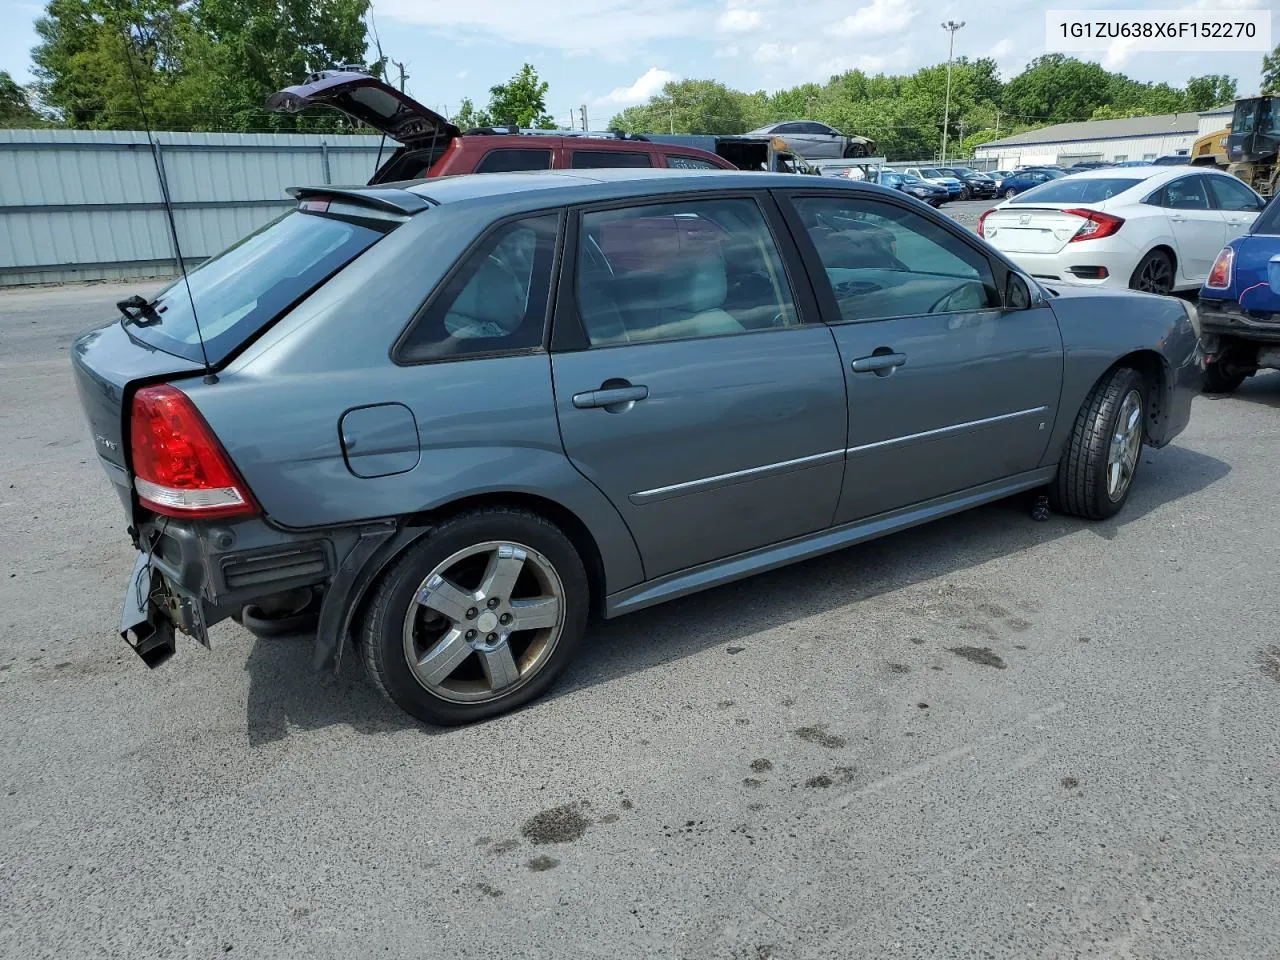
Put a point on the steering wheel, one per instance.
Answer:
(943, 304)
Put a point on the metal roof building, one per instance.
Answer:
(1131, 138)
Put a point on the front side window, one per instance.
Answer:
(884, 261)
(601, 159)
(677, 162)
(671, 271)
(511, 161)
(495, 303)
(1231, 194)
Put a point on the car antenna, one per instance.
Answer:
(209, 375)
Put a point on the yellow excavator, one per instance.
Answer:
(1247, 147)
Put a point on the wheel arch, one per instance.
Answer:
(1156, 372)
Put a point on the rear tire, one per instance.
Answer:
(1010, 193)
(1153, 274)
(854, 150)
(431, 637)
(1219, 380)
(1103, 442)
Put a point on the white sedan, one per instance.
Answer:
(1157, 229)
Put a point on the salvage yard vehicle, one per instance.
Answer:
(1149, 228)
(472, 412)
(431, 146)
(814, 141)
(1240, 306)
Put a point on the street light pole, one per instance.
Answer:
(951, 27)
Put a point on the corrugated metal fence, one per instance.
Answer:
(87, 204)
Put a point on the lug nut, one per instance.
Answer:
(471, 613)
(471, 634)
(490, 638)
(493, 602)
(505, 618)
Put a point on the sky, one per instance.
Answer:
(608, 54)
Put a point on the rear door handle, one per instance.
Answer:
(879, 361)
(1174, 218)
(609, 397)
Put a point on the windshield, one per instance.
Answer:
(1077, 190)
(248, 285)
(930, 172)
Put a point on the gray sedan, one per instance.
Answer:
(816, 141)
(454, 419)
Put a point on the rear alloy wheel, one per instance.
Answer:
(477, 618)
(854, 150)
(1220, 379)
(1153, 274)
(1104, 450)
(1010, 193)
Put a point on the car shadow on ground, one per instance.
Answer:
(286, 694)
(1262, 389)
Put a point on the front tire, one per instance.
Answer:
(477, 618)
(1218, 379)
(1104, 450)
(854, 150)
(965, 194)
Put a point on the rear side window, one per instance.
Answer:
(496, 302)
(513, 161)
(677, 162)
(600, 159)
(1268, 223)
(1072, 190)
(244, 288)
(1231, 194)
(1186, 193)
(672, 271)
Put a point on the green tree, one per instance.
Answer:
(468, 117)
(199, 64)
(522, 100)
(1271, 72)
(690, 106)
(1057, 89)
(1211, 90)
(15, 105)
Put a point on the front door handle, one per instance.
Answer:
(879, 361)
(1175, 218)
(607, 397)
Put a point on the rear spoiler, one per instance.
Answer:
(387, 199)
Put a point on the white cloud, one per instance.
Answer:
(880, 18)
(650, 83)
(738, 20)
(776, 52)
(726, 53)
(1001, 49)
(601, 26)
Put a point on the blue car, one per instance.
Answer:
(1240, 306)
(930, 193)
(1022, 180)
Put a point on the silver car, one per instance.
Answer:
(816, 141)
(460, 417)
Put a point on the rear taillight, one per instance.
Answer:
(1220, 275)
(179, 467)
(982, 223)
(1096, 225)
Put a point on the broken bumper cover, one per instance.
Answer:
(1226, 318)
(191, 575)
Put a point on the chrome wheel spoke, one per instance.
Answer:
(1126, 446)
(503, 571)
(444, 597)
(441, 660)
(500, 668)
(538, 614)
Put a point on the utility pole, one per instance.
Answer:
(961, 135)
(403, 76)
(997, 124)
(951, 27)
(583, 108)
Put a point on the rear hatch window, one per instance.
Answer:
(245, 287)
(1070, 190)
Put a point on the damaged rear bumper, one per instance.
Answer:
(190, 575)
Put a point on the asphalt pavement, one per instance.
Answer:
(987, 737)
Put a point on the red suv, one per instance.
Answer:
(431, 146)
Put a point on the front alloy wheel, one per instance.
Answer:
(477, 617)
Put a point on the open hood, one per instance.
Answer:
(368, 100)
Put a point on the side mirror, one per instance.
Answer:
(1017, 294)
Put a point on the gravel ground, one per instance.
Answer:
(987, 737)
